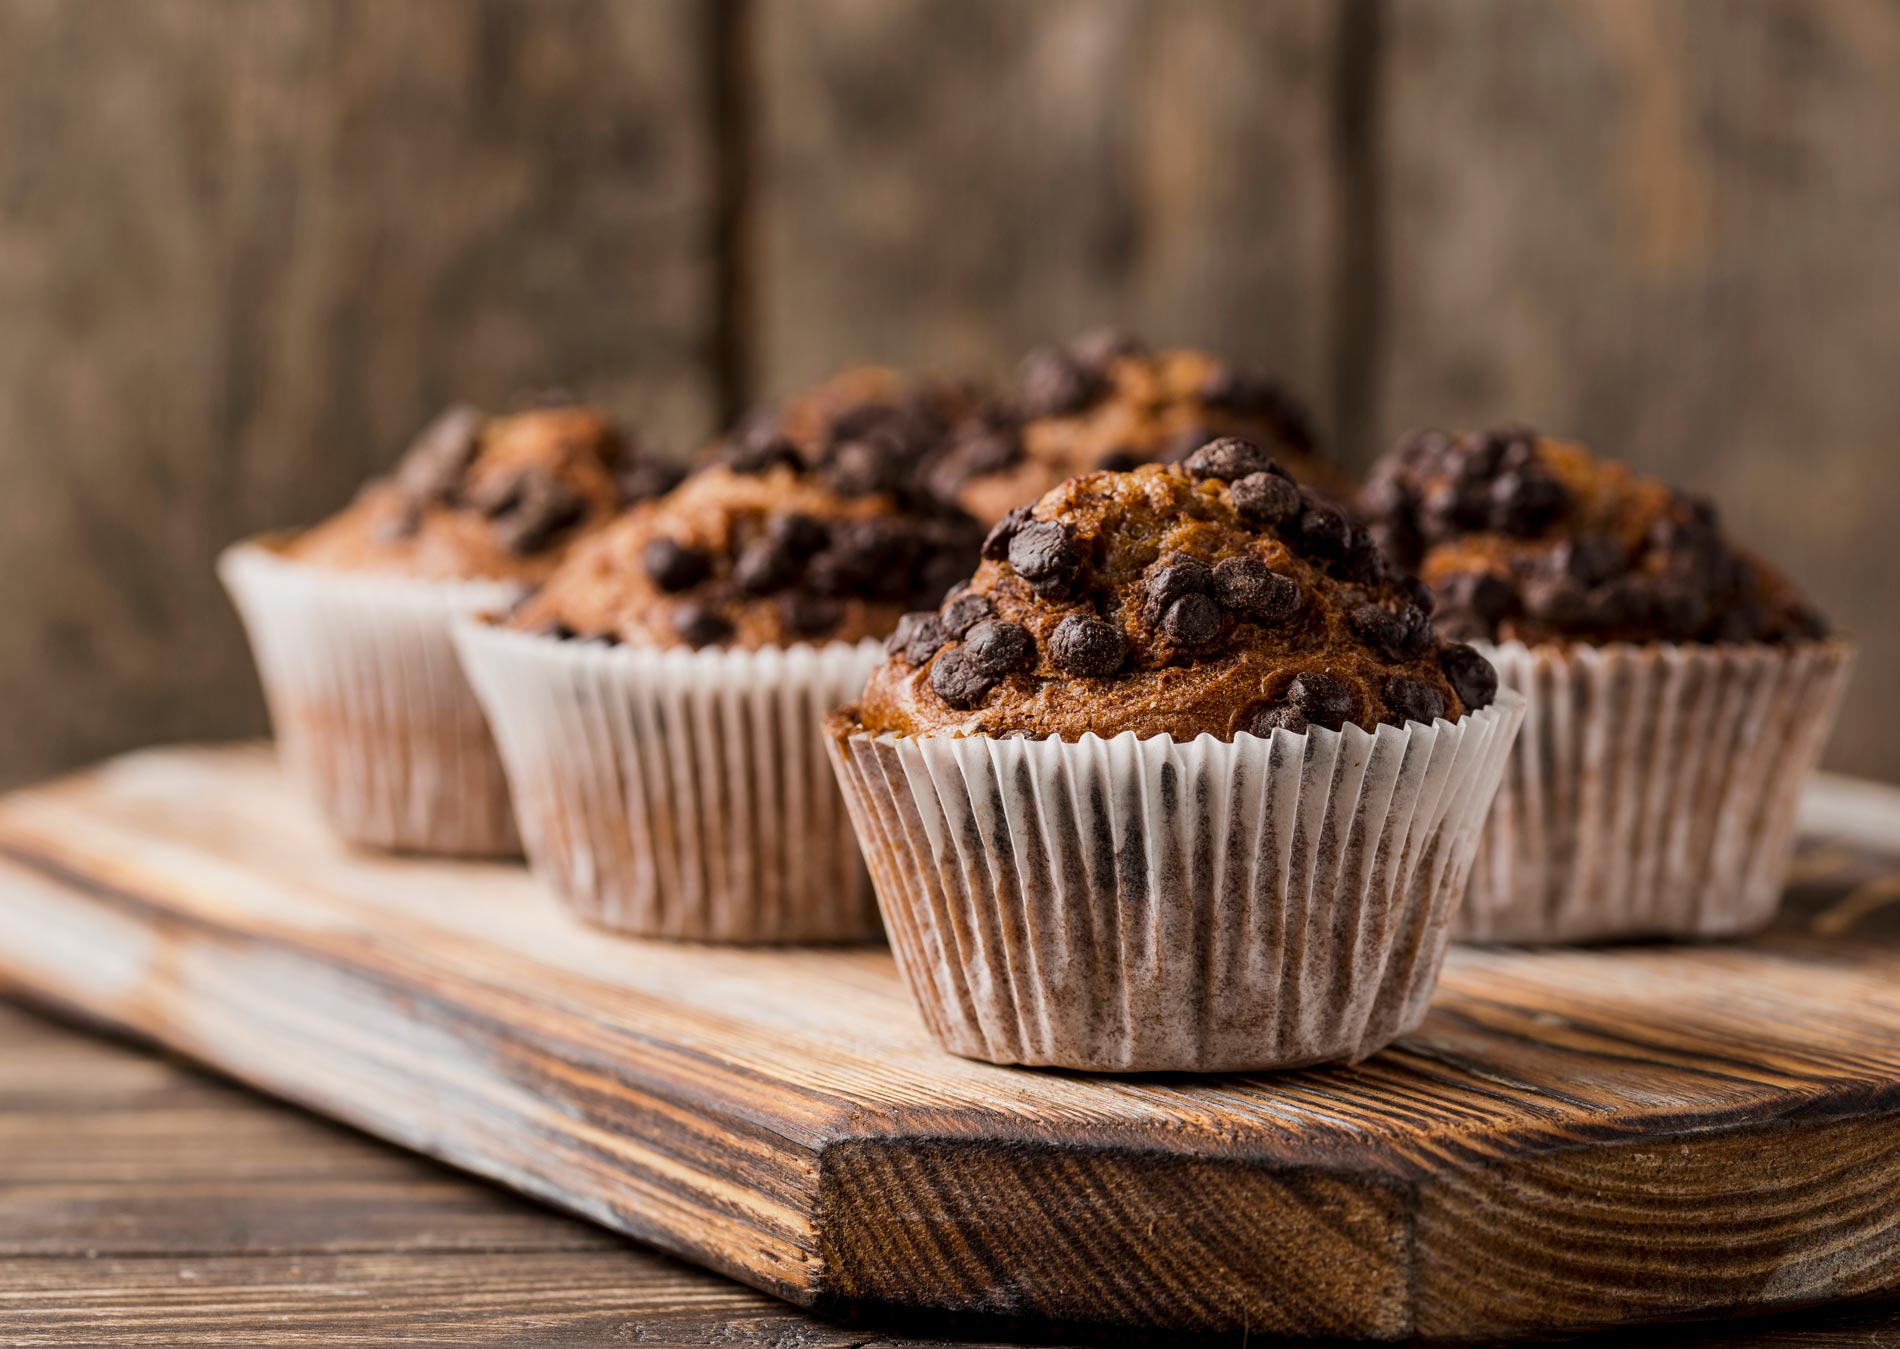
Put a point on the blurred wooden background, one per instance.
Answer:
(246, 246)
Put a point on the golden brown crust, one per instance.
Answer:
(1128, 532)
(1531, 539)
(477, 498)
(752, 560)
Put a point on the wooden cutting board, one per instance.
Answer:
(1574, 1138)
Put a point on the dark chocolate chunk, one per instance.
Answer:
(1264, 499)
(1043, 553)
(437, 459)
(1483, 598)
(1588, 559)
(1253, 590)
(764, 568)
(1229, 459)
(1171, 577)
(673, 566)
(1282, 718)
(862, 467)
(997, 647)
(1055, 384)
(700, 625)
(1321, 527)
(957, 680)
(541, 507)
(759, 453)
(1192, 621)
(799, 535)
(643, 479)
(1470, 674)
(1399, 635)
(1360, 561)
(1324, 700)
(996, 542)
(965, 612)
(927, 638)
(556, 629)
(1412, 700)
(807, 615)
(1525, 502)
(867, 557)
(1120, 461)
(1085, 645)
(906, 629)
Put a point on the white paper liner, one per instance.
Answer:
(677, 793)
(1653, 790)
(372, 714)
(1145, 905)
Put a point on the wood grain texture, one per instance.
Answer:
(1668, 229)
(948, 184)
(248, 246)
(1607, 1134)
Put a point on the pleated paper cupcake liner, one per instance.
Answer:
(1653, 790)
(1145, 905)
(372, 714)
(676, 793)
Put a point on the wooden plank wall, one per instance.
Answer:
(245, 245)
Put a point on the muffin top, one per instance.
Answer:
(767, 554)
(489, 498)
(1210, 597)
(1107, 401)
(1531, 539)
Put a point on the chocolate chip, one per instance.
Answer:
(1191, 621)
(799, 535)
(1264, 499)
(1085, 645)
(1561, 601)
(556, 629)
(1360, 561)
(808, 615)
(978, 451)
(1412, 700)
(700, 625)
(1055, 384)
(1399, 635)
(1321, 527)
(1470, 674)
(759, 453)
(906, 628)
(1043, 553)
(1324, 700)
(1173, 576)
(997, 647)
(1524, 502)
(1281, 718)
(1229, 459)
(1483, 599)
(1588, 559)
(866, 557)
(673, 566)
(437, 459)
(1120, 461)
(764, 568)
(926, 639)
(645, 479)
(859, 468)
(1253, 590)
(957, 680)
(540, 507)
(996, 542)
(965, 612)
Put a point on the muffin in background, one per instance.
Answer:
(349, 620)
(1108, 401)
(658, 701)
(1182, 780)
(1680, 689)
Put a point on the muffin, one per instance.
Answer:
(1106, 401)
(349, 619)
(658, 701)
(1183, 779)
(1679, 688)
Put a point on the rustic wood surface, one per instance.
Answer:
(142, 1203)
(1574, 1137)
(246, 245)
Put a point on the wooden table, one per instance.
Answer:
(145, 1203)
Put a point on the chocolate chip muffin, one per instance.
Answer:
(349, 620)
(765, 555)
(1207, 598)
(665, 754)
(1525, 538)
(1679, 689)
(1106, 401)
(479, 497)
(1183, 779)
